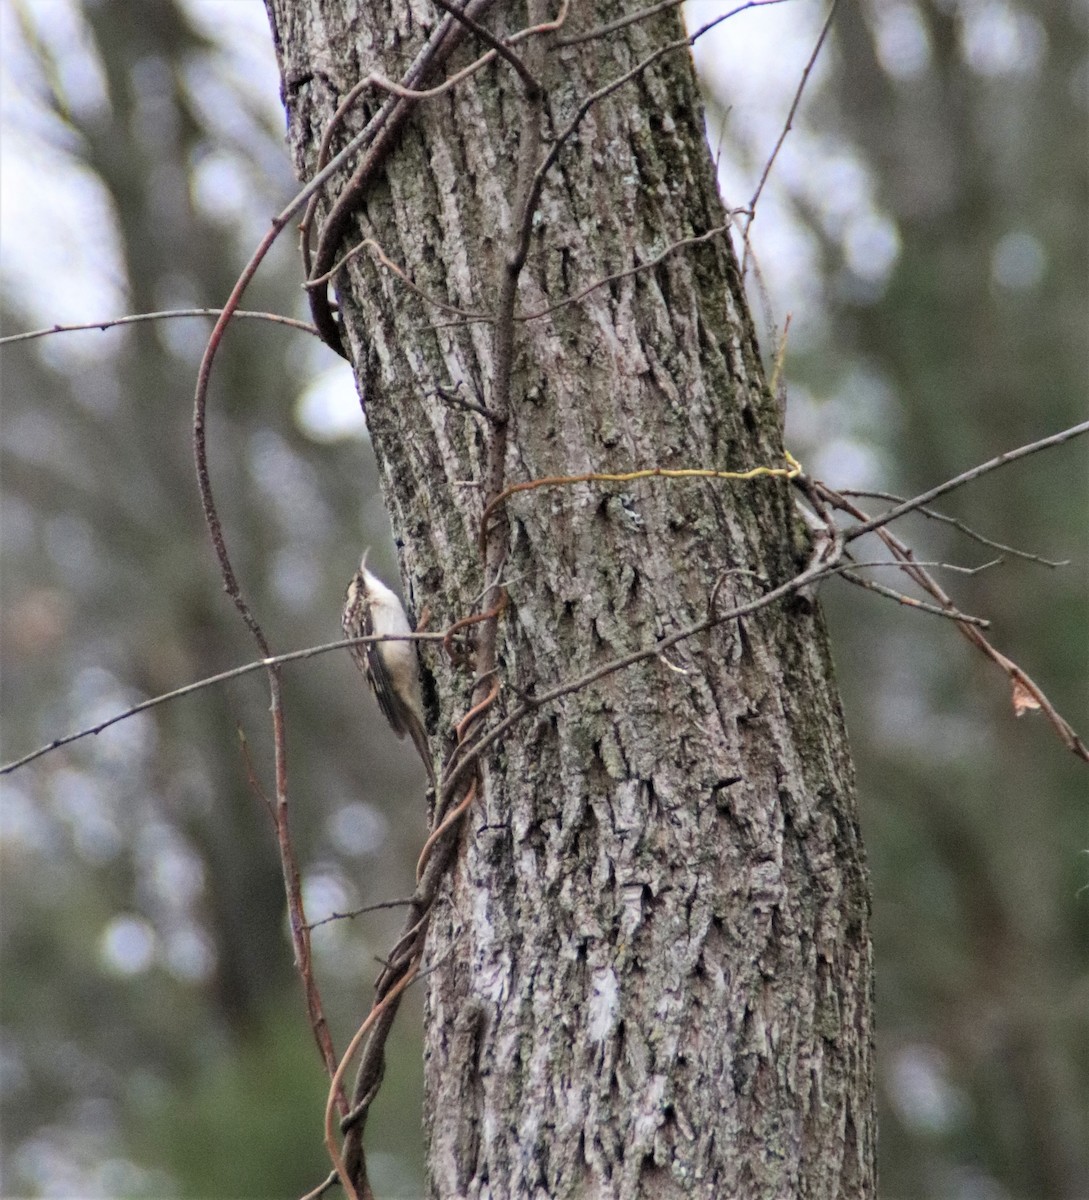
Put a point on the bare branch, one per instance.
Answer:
(818, 568)
(1056, 439)
(261, 664)
(939, 566)
(871, 585)
(967, 530)
(171, 314)
(378, 906)
(1026, 693)
(300, 928)
(390, 265)
(790, 115)
(531, 85)
(682, 244)
(620, 23)
(379, 137)
(330, 1181)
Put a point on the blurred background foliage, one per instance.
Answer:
(925, 228)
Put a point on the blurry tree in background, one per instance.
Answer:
(151, 1009)
(973, 117)
(155, 1039)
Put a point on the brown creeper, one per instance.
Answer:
(391, 668)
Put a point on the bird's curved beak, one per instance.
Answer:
(363, 560)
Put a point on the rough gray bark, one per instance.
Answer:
(653, 972)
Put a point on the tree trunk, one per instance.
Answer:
(651, 970)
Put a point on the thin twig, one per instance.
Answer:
(789, 124)
(468, 318)
(390, 265)
(315, 1194)
(529, 83)
(620, 23)
(817, 569)
(452, 396)
(967, 530)
(261, 664)
(379, 137)
(953, 614)
(934, 565)
(378, 906)
(649, 265)
(924, 498)
(1026, 693)
(300, 928)
(170, 314)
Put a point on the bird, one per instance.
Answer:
(390, 667)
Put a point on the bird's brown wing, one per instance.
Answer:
(379, 678)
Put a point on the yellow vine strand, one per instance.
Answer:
(791, 471)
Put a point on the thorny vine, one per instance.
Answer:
(457, 785)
